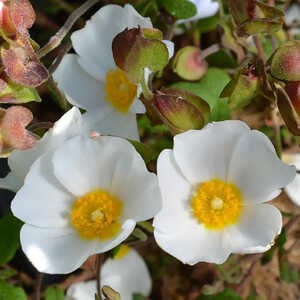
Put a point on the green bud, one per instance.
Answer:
(285, 62)
(188, 64)
(178, 114)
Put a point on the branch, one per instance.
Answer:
(60, 35)
(259, 48)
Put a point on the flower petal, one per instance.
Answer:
(97, 36)
(205, 154)
(42, 201)
(83, 290)
(80, 88)
(55, 250)
(175, 191)
(293, 190)
(83, 165)
(194, 244)
(109, 121)
(67, 126)
(133, 273)
(256, 169)
(258, 226)
(135, 186)
(11, 182)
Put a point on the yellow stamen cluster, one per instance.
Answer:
(119, 90)
(217, 204)
(96, 214)
(122, 252)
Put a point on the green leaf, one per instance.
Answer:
(180, 9)
(6, 274)
(253, 295)
(221, 59)
(9, 292)
(15, 93)
(146, 7)
(209, 89)
(9, 237)
(225, 295)
(54, 293)
(208, 24)
(146, 152)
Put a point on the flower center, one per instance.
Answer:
(217, 204)
(119, 90)
(96, 214)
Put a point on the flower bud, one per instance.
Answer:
(285, 63)
(293, 91)
(188, 65)
(178, 113)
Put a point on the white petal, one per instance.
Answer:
(80, 88)
(137, 107)
(205, 154)
(205, 8)
(170, 46)
(11, 182)
(42, 201)
(110, 122)
(293, 190)
(176, 192)
(93, 42)
(292, 14)
(55, 250)
(258, 226)
(70, 124)
(259, 249)
(256, 169)
(83, 290)
(135, 185)
(83, 165)
(133, 273)
(194, 243)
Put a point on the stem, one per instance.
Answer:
(60, 35)
(278, 142)
(259, 48)
(62, 52)
(38, 286)
(100, 259)
(291, 222)
(208, 51)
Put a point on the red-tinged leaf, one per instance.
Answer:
(21, 69)
(13, 128)
(22, 14)
(287, 111)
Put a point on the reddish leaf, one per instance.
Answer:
(21, 69)
(12, 127)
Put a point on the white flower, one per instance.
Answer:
(292, 16)
(214, 185)
(293, 189)
(205, 8)
(126, 273)
(91, 80)
(83, 198)
(69, 125)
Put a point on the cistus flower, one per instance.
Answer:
(84, 197)
(91, 80)
(293, 189)
(69, 125)
(220, 178)
(126, 273)
(13, 133)
(205, 8)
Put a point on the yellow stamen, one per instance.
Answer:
(123, 251)
(119, 90)
(217, 204)
(96, 214)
